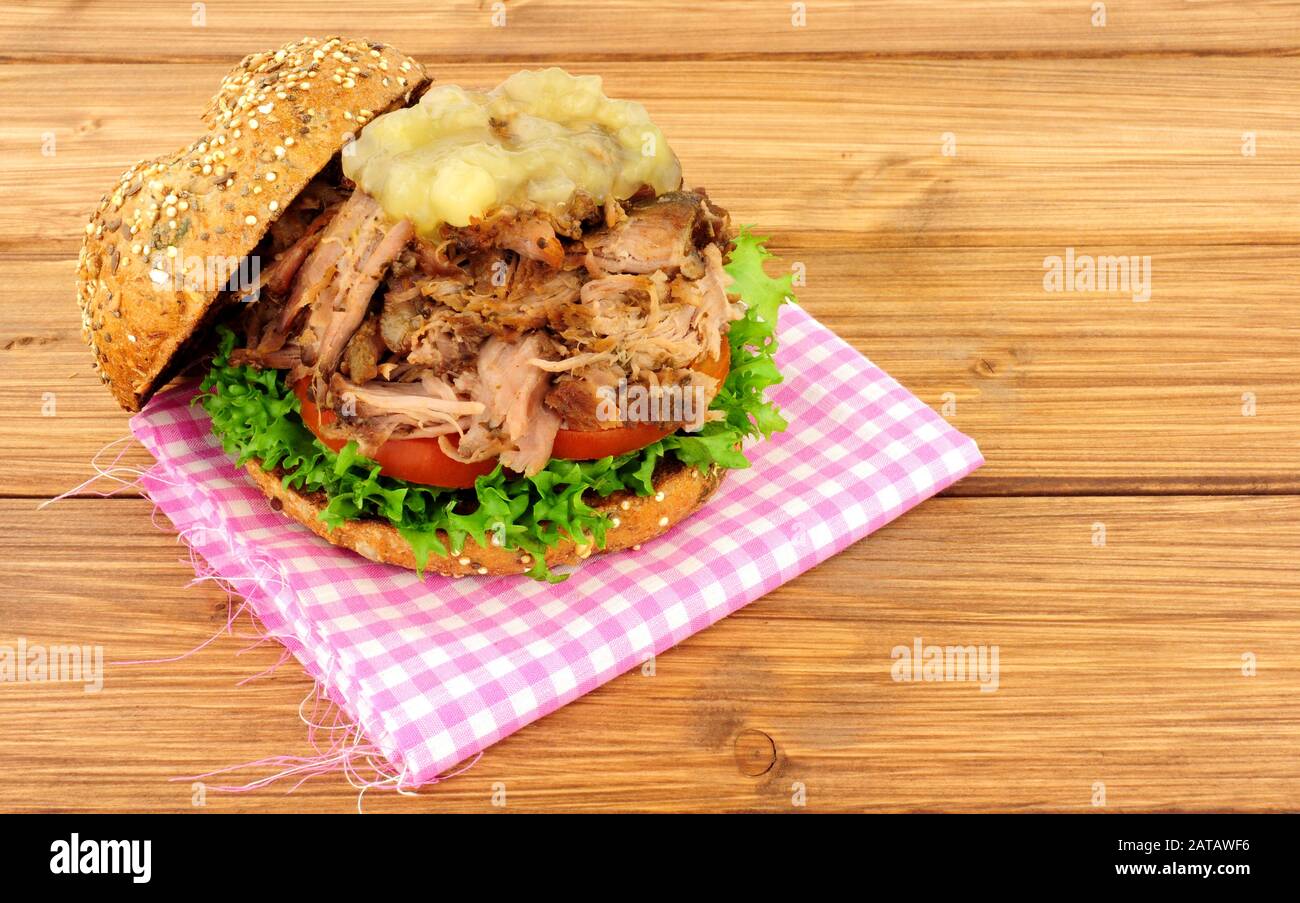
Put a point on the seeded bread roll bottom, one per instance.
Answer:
(679, 492)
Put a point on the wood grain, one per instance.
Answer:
(162, 31)
(1119, 664)
(1062, 152)
(1065, 392)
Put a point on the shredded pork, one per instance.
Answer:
(494, 336)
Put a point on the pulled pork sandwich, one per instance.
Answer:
(483, 332)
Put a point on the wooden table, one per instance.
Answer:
(921, 161)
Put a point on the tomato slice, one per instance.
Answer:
(589, 445)
(415, 460)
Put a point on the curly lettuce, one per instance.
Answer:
(257, 417)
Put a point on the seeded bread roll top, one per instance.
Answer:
(167, 236)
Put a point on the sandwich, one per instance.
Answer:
(462, 331)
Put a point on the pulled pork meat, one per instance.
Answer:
(515, 424)
(494, 336)
(664, 234)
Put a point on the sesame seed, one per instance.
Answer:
(659, 496)
(663, 521)
(527, 559)
(637, 547)
(250, 220)
(464, 562)
(171, 250)
(270, 177)
(625, 504)
(273, 206)
(615, 522)
(482, 570)
(252, 124)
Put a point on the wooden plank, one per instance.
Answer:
(1064, 152)
(1122, 663)
(1119, 664)
(1065, 392)
(1195, 390)
(471, 29)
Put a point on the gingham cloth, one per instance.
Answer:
(437, 670)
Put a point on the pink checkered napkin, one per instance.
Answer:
(438, 670)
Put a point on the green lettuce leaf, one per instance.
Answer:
(257, 416)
